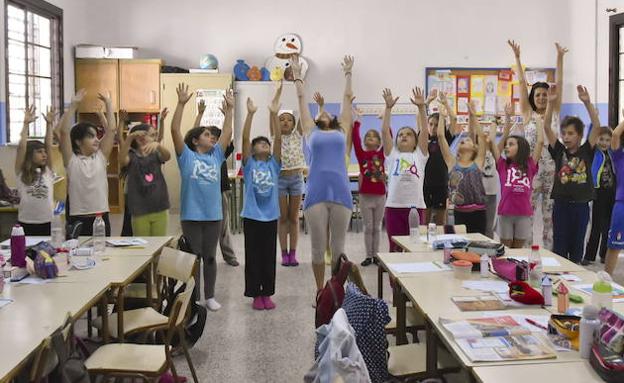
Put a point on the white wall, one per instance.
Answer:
(393, 41)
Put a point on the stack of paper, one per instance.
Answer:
(418, 267)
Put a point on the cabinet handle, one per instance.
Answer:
(152, 99)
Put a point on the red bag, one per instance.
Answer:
(329, 299)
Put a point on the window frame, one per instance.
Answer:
(50, 11)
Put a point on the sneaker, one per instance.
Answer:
(375, 260)
(367, 262)
(268, 303)
(212, 304)
(292, 258)
(232, 262)
(285, 258)
(258, 303)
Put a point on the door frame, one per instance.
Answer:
(615, 23)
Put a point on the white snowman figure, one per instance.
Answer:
(285, 47)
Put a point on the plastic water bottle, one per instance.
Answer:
(432, 231)
(602, 291)
(484, 265)
(99, 235)
(535, 267)
(18, 247)
(587, 329)
(414, 224)
(57, 231)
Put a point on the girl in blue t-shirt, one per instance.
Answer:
(261, 209)
(199, 161)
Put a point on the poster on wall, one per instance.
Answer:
(213, 99)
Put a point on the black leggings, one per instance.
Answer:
(474, 220)
(260, 252)
(36, 229)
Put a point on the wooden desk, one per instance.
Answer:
(35, 313)
(569, 372)
(153, 247)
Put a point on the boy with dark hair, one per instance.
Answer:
(573, 187)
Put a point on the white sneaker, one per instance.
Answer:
(212, 304)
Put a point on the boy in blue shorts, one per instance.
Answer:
(616, 233)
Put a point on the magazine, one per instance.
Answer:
(479, 303)
(492, 339)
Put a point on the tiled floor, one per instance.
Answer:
(242, 345)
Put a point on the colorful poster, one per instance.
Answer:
(462, 105)
(476, 85)
(491, 85)
(463, 87)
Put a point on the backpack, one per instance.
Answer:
(329, 299)
(71, 367)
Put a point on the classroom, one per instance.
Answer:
(331, 191)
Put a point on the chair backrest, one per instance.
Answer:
(181, 304)
(176, 264)
(459, 229)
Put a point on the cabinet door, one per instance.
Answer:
(139, 83)
(97, 76)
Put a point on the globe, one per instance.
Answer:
(209, 61)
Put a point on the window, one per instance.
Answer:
(34, 62)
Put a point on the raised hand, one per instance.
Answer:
(151, 147)
(136, 134)
(444, 100)
(30, 115)
(472, 108)
(583, 94)
(201, 107)
(318, 98)
(183, 93)
(275, 105)
(163, 114)
(432, 96)
(295, 65)
(388, 98)
(251, 108)
(228, 101)
(552, 93)
(49, 116)
(509, 111)
(418, 97)
(105, 98)
(347, 64)
(78, 97)
(561, 50)
(515, 47)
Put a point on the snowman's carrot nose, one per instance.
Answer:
(291, 46)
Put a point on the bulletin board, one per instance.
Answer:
(490, 88)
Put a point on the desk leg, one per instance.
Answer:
(149, 276)
(104, 316)
(432, 350)
(380, 271)
(401, 301)
(120, 311)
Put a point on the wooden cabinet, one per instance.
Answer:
(134, 85)
(139, 84)
(97, 76)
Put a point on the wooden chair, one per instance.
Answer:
(146, 361)
(414, 321)
(409, 362)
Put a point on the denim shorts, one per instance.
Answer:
(290, 185)
(616, 232)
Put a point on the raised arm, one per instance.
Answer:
(346, 114)
(431, 97)
(251, 110)
(227, 108)
(274, 109)
(481, 146)
(616, 137)
(453, 127)
(491, 142)
(307, 123)
(30, 116)
(473, 121)
(506, 127)
(583, 95)
(525, 107)
(449, 159)
(183, 97)
(561, 51)
(124, 148)
(50, 119)
(122, 123)
(201, 107)
(386, 134)
(110, 128)
(553, 94)
(418, 99)
(161, 124)
(64, 126)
